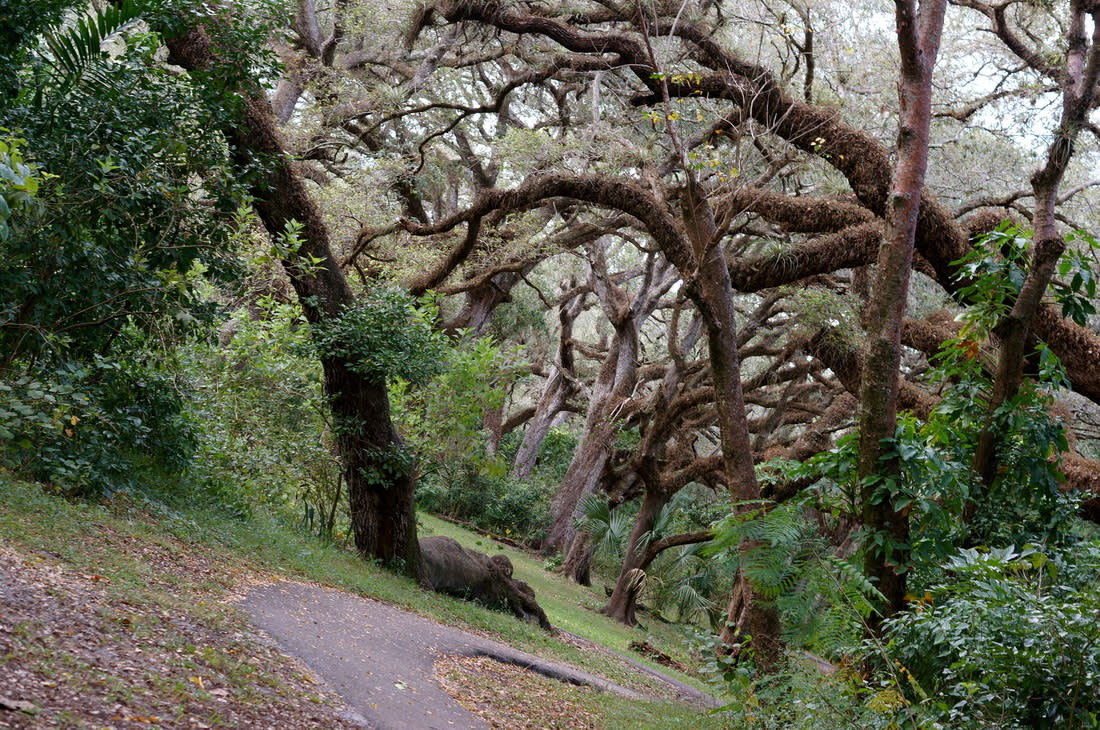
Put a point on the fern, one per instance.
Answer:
(824, 600)
(774, 538)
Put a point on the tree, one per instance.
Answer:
(378, 472)
(614, 383)
(722, 179)
(919, 27)
(465, 153)
(1078, 81)
(842, 233)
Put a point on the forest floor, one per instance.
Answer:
(116, 622)
(79, 650)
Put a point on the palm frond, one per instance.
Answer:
(662, 524)
(609, 529)
(75, 48)
(690, 601)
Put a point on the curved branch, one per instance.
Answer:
(999, 28)
(849, 248)
(685, 538)
(435, 277)
(794, 214)
(597, 189)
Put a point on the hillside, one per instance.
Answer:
(126, 615)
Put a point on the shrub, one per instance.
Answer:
(1009, 640)
(93, 430)
(556, 453)
(798, 695)
(385, 334)
(265, 439)
(497, 503)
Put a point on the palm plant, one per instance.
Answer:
(608, 528)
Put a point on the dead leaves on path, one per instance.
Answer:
(510, 697)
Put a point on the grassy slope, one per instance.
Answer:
(143, 563)
(574, 607)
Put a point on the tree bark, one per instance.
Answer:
(482, 301)
(1081, 76)
(919, 31)
(594, 450)
(382, 512)
(555, 394)
(620, 606)
(614, 384)
(712, 292)
(578, 561)
(663, 474)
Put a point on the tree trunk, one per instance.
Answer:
(383, 516)
(382, 511)
(584, 473)
(620, 606)
(551, 404)
(614, 382)
(712, 292)
(918, 42)
(555, 394)
(577, 565)
(493, 423)
(1078, 96)
(483, 300)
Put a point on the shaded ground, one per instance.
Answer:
(511, 697)
(382, 660)
(82, 650)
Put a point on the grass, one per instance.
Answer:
(574, 607)
(148, 555)
(111, 604)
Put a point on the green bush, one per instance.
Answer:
(1011, 639)
(556, 453)
(266, 440)
(798, 695)
(496, 503)
(93, 430)
(385, 334)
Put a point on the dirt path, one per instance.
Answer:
(379, 658)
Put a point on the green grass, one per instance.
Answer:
(80, 534)
(567, 605)
(574, 607)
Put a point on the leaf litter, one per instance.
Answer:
(85, 647)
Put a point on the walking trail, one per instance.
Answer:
(380, 658)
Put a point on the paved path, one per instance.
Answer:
(379, 658)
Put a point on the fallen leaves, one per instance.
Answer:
(512, 698)
(84, 648)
